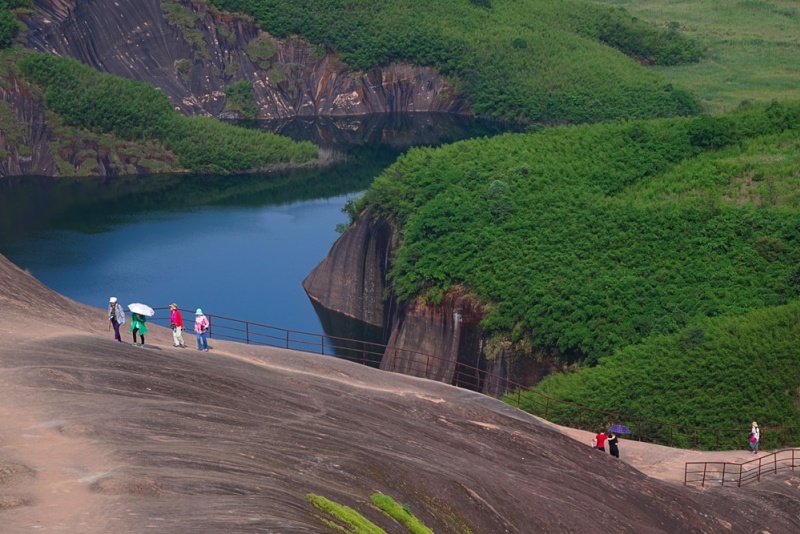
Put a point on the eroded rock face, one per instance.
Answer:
(193, 53)
(443, 342)
(352, 277)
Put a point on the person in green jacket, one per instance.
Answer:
(138, 325)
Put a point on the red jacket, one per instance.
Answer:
(601, 440)
(176, 319)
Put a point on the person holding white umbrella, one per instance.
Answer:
(138, 313)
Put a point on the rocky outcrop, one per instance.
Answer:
(443, 342)
(352, 278)
(193, 52)
(34, 141)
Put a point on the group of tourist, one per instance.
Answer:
(116, 316)
(603, 437)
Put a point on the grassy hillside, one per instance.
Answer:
(516, 59)
(135, 111)
(719, 373)
(584, 241)
(752, 47)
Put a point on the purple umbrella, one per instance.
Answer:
(619, 429)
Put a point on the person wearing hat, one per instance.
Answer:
(176, 322)
(116, 315)
(201, 326)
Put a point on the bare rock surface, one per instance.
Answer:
(193, 53)
(102, 437)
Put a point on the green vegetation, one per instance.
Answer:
(240, 98)
(752, 47)
(719, 373)
(8, 22)
(400, 513)
(528, 60)
(135, 111)
(583, 241)
(186, 21)
(352, 520)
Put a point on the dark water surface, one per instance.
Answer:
(236, 246)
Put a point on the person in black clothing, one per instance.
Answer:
(612, 441)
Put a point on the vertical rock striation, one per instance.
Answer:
(443, 342)
(193, 53)
(351, 280)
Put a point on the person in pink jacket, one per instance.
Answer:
(201, 326)
(176, 322)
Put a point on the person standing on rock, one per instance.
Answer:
(599, 441)
(201, 325)
(612, 440)
(176, 322)
(116, 316)
(755, 437)
(138, 325)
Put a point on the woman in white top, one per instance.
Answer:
(755, 436)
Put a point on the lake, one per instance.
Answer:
(236, 246)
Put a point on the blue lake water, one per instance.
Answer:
(236, 246)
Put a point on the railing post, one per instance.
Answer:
(519, 404)
(705, 469)
(322, 344)
(724, 465)
(717, 433)
(546, 407)
(287, 339)
(694, 446)
(247, 332)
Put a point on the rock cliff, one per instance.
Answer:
(442, 342)
(34, 141)
(193, 53)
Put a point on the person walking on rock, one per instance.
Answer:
(138, 325)
(116, 315)
(755, 437)
(612, 441)
(201, 325)
(176, 322)
(599, 441)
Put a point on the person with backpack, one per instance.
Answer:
(201, 326)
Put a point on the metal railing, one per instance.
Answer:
(467, 376)
(721, 472)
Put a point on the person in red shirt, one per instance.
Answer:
(176, 322)
(599, 441)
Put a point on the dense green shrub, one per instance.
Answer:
(134, 110)
(529, 60)
(584, 240)
(719, 373)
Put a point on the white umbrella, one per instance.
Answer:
(141, 309)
